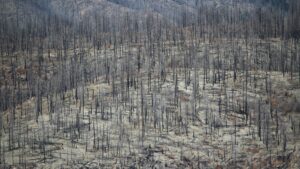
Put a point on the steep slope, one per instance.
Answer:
(172, 11)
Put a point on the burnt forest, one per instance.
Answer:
(150, 84)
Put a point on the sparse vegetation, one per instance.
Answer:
(150, 84)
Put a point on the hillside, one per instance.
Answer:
(149, 84)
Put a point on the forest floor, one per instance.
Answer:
(170, 132)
